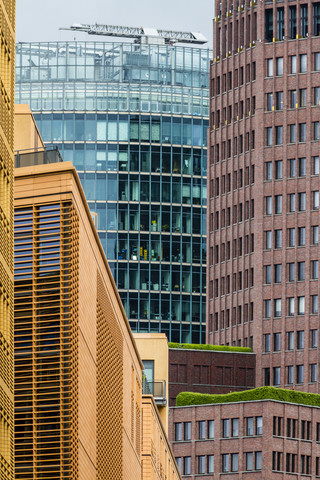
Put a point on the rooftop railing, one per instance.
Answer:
(157, 389)
(38, 156)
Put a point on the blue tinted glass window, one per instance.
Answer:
(79, 127)
(101, 129)
(101, 187)
(91, 128)
(90, 157)
(68, 127)
(79, 157)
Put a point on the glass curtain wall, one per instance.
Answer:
(133, 120)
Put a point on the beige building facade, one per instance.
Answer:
(154, 352)
(78, 372)
(80, 412)
(7, 31)
(27, 136)
(158, 462)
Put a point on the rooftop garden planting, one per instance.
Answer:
(261, 393)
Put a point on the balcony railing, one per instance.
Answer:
(157, 389)
(39, 156)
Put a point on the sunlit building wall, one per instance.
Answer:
(7, 49)
(78, 374)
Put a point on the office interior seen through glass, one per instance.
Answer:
(133, 119)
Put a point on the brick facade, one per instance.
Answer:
(207, 371)
(262, 440)
(263, 187)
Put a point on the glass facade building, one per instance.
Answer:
(133, 119)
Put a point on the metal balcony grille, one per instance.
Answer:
(157, 389)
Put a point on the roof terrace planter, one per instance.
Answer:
(217, 348)
(255, 394)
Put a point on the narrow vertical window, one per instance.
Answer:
(210, 428)
(267, 346)
(269, 98)
(292, 202)
(304, 20)
(313, 372)
(316, 18)
(269, 25)
(293, 64)
(279, 135)
(210, 463)
(292, 133)
(279, 66)
(280, 23)
(315, 234)
(269, 136)
(178, 431)
(303, 63)
(276, 376)
(292, 22)
(268, 170)
(267, 308)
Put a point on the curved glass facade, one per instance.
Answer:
(133, 119)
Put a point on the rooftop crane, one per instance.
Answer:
(140, 34)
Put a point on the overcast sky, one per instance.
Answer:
(39, 20)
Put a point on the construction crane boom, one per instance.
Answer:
(140, 33)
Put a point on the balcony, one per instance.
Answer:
(40, 156)
(157, 389)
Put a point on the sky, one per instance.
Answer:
(40, 20)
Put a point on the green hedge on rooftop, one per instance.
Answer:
(220, 348)
(262, 393)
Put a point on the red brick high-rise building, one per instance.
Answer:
(263, 178)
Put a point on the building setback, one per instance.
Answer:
(263, 240)
(7, 27)
(133, 119)
(263, 439)
(154, 353)
(207, 371)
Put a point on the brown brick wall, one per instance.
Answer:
(209, 372)
(236, 282)
(272, 439)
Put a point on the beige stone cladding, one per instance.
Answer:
(158, 462)
(263, 439)
(99, 434)
(154, 347)
(27, 136)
